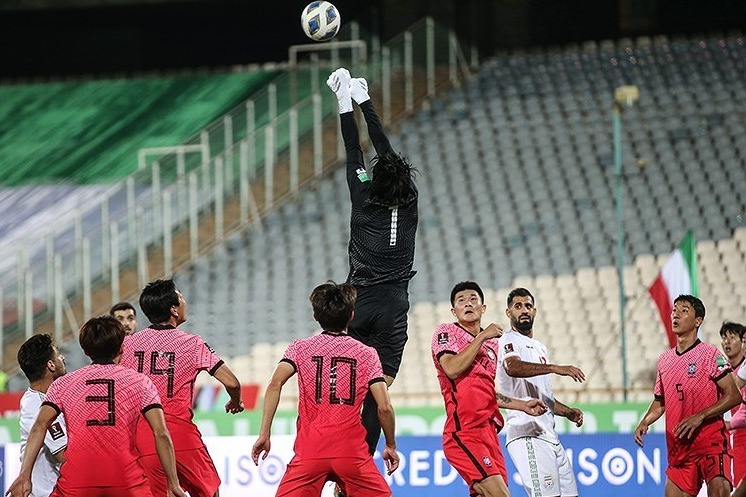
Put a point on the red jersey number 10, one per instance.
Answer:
(334, 387)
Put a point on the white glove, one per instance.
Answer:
(339, 83)
(359, 90)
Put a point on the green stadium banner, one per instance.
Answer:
(599, 418)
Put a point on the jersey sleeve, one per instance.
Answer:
(291, 355)
(507, 347)
(445, 341)
(375, 129)
(206, 356)
(54, 397)
(373, 370)
(719, 366)
(149, 397)
(358, 180)
(56, 437)
(742, 371)
(658, 388)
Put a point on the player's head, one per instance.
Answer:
(467, 302)
(392, 182)
(125, 314)
(162, 302)
(333, 305)
(39, 356)
(732, 339)
(102, 337)
(687, 314)
(521, 310)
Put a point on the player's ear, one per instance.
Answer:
(453, 311)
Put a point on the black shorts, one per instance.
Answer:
(381, 322)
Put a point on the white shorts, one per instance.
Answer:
(544, 467)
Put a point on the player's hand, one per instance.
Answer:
(390, 458)
(576, 374)
(176, 491)
(262, 445)
(640, 431)
(492, 331)
(339, 81)
(535, 407)
(576, 416)
(21, 487)
(687, 426)
(233, 407)
(359, 90)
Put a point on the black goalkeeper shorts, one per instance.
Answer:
(381, 322)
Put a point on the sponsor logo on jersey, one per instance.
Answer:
(55, 430)
(362, 175)
(442, 338)
(486, 461)
(691, 370)
(508, 347)
(548, 482)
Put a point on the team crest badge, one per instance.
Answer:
(508, 347)
(486, 461)
(442, 338)
(691, 370)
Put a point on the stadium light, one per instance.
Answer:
(623, 96)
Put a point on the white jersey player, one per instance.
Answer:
(531, 441)
(42, 363)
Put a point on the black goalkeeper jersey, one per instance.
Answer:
(381, 248)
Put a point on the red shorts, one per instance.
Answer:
(197, 473)
(357, 476)
(141, 490)
(475, 453)
(689, 474)
(738, 449)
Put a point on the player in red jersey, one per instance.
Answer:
(465, 357)
(102, 403)
(693, 388)
(172, 359)
(335, 373)
(731, 340)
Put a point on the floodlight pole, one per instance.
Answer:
(622, 95)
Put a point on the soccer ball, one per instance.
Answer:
(320, 21)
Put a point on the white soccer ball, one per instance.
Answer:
(320, 21)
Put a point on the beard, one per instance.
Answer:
(523, 325)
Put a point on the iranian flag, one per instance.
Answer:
(677, 277)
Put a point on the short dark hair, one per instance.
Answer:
(122, 306)
(735, 328)
(333, 305)
(466, 285)
(102, 337)
(156, 300)
(519, 292)
(34, 354)
(697, 305)
(393, 179)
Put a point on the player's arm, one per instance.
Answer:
(21, 487)
(225, 376)
(517, 368)
(455, 364)
(284, 371)
(729, 399)
(164, 447)
(534, 407)
(655, 411)
(380, 394)
(572, 413)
